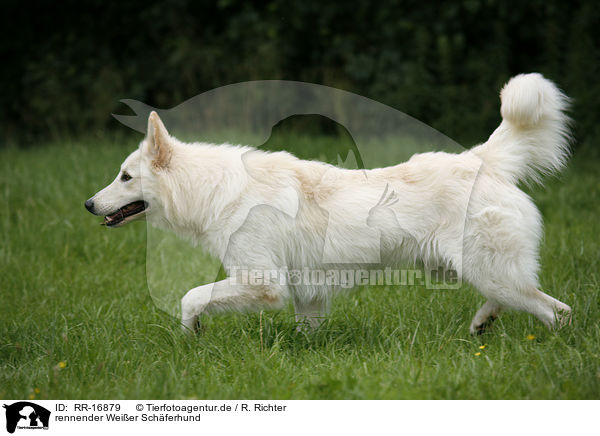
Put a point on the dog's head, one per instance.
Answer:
(129, 196)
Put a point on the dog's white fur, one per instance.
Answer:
(264, 211)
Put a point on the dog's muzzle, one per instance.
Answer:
(122, 215)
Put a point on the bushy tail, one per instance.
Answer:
(533, 138)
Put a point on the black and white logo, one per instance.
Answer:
(26, 415)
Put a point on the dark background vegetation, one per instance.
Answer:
(67, 64)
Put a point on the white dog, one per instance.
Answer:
(230, 199)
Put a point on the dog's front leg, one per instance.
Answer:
(229, 295)
(192, 305)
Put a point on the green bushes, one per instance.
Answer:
(68, 65)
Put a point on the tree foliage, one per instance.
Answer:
(67, 64)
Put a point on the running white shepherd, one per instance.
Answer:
(231, 200)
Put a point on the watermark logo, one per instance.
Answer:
(347, 278)
(25, 415)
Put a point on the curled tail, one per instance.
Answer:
(533, 138)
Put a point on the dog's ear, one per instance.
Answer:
(158, 142)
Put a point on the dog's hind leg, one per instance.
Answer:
(512, 285)
(500, 258)
(485, 316)
(226, 296)
(549, 310)
(310, 315)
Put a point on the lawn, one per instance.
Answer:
(78, 320)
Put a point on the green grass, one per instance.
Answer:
(76, 292)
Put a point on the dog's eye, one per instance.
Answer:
(125, 177)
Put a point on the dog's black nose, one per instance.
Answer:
(89, 204)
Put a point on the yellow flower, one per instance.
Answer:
(62, 364)
(478, 353)
(31, 396)
(530, 337)
(36, 390)
(481, 347)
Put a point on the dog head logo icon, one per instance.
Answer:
(26, 415)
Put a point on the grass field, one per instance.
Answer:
(78, 322)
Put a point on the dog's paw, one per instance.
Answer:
(563, 316)
(193, 304)
(479, 329)
(190, 326)
(189, 319)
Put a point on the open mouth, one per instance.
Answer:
(125, 213)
